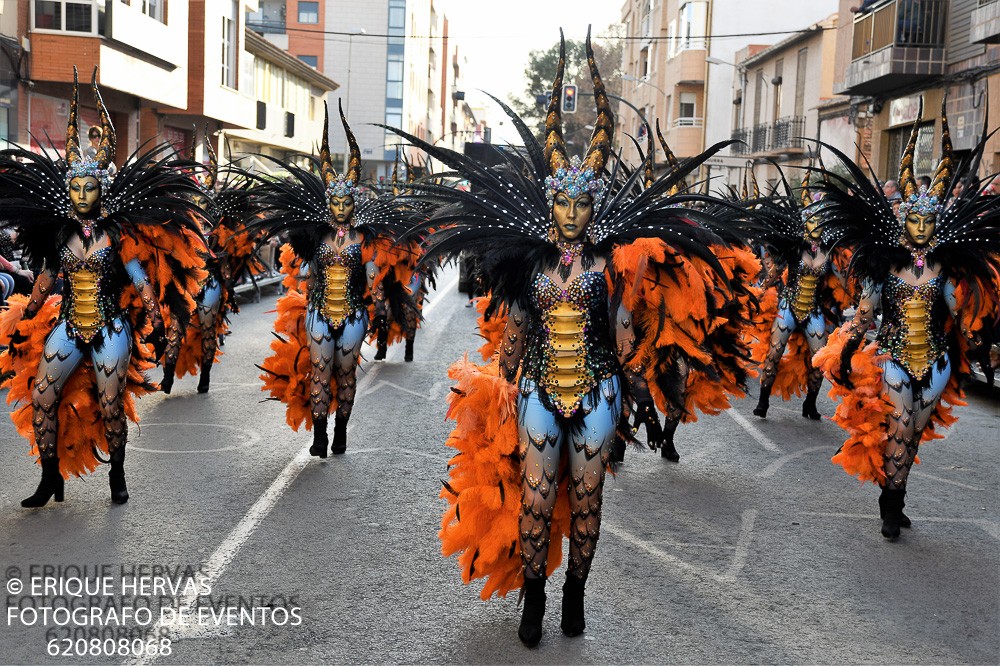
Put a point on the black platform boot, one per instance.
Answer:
(169, 369)
(381, 342)
(408, 353)
(890, 505)
(50, 486)
(206, 371)
(530, 631)
(668, 451)
(573, 622)
(763, 402)
(339, 445)
(116, 478)
(320, 440)
(809, 406)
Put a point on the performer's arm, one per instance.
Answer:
(863, 318)
(41, 290)
(512, 345)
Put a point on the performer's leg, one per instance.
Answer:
(539, 439)
(900, 447)
(60, 357)
(381, 324)
(676, 412)
(175, 336)
(208, 311)
(346, 356)
(781, 330)
(816, 335)
(320, 392)
(111, 359)
(413, 314)
(589, 452)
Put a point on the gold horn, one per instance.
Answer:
(555, 147)
(73, 154)
(672, 162)
(106, 148)
(354, 159)
(604, 126)
(939, 186)
(325, 160)
(395, 174)
(648, 175)
(753, 181)
(907, 181)
(804, 192)
(213, 161)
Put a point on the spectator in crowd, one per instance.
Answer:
(13, 278)
(924, 181)
(865, 7)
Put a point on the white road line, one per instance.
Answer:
(773, 468)
(233, 543)
(440, 294)
(761, 438)
(924, 475)
(988, 526)
(742, 545)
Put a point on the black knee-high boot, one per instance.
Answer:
(668, 450)
(809, 406)
(320, 441)
(169, 370)
(339, 445)
(573, 622)
(764, 401)
(206, 371)
(408, 353)
(116, 477)
(50, 486)
(890, 504)
(381, 338)
(530, 631)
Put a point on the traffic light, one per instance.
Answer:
(569, 99)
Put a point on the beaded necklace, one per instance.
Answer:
(570, 253)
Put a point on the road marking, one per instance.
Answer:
(988, 526)
(761, 438)
(773, 468)
(924, 475)
(233, 543)
(741, 550)
(423, 454)
(440, 295)
(375, 387)
(253, 438)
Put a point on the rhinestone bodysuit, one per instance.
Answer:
(910, 332)
(572, 351)
(337, 296)
(90, 300)
(801, 296)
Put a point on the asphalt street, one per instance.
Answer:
(753, 549)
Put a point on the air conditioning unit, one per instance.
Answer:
(261, 115)
(289, 124)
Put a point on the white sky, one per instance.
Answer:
(497, 35)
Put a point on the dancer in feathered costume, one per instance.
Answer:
(543, 415)
(804, 296)
(396, 312)
(332, 229)
(232, 256)
(933, 268)
(124, 245)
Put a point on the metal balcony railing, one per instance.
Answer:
(787, 132)
(983, 3)
(915, 23)
(761, 140)
(743, 135)
(268, 27)
(688, 122)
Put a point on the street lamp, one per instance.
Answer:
(350, 50)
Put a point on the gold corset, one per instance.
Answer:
(917, 349)
(805, 296)
(566, 377)
(335, 306)
(86, 313)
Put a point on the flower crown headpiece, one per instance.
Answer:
(88, 167)
(574, 181)
(922, 203)
(342, 186)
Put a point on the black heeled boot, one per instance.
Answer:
(763, 402)
(890, 505)
(116, 479)
(339, 445)
(381, 343)
(206, 371)
(408, 353)
(50, 486)
(573, 622)
(809, 406)
(530, 631)
(668, 451)
(320, 440)
(169, 369)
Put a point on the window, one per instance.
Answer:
(687, 109)
(800, 82)
(923, 161)
(644, 62)
(310, 60)
(393, 118)
(308, 12)
(672, 39)
(397, 21)
(394, 76)
(229, 43)
(154, 9)
(693, 19)
(779, 69)
(66, 15)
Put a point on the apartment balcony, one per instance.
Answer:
(985, 27)
(760, 138)
(786, 135)
(899, 43)
(742, 135)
